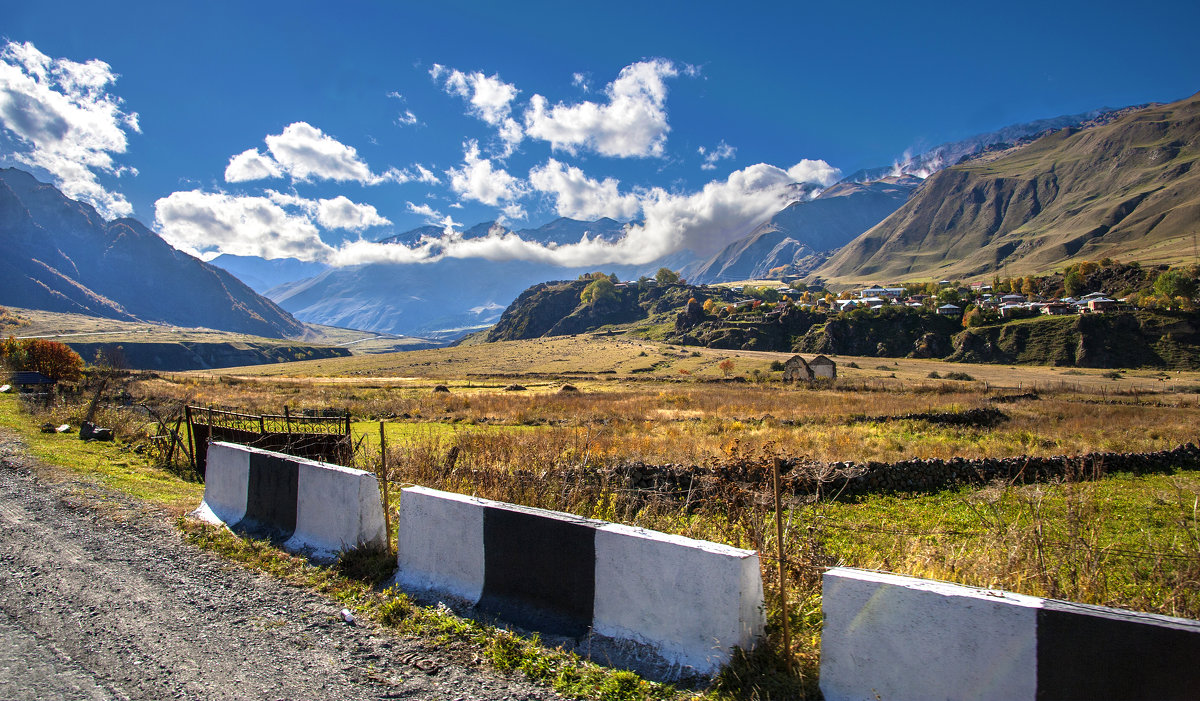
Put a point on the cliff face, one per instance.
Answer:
(1115, 190)
(61, 255)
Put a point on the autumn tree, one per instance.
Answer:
(726, 366)
(51, 358)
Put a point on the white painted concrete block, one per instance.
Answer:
(337, 509)
(439, 543)
(692, 600)
(896, 638)
(225, 483)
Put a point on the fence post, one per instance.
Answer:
(783, 607)
(383, 470)
(187, 410)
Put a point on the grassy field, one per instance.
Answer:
(1122, 540)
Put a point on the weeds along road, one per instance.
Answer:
(101, 599)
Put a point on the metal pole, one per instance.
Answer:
(783, 607)
(383, 471)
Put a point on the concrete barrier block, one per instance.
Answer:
(892, 637)
(311, 506)
(439, 543)
(692, 600)
(337, 509)
(225, 485)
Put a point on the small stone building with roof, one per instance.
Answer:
(822, 366)
(796, 369)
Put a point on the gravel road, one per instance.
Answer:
(101, 599)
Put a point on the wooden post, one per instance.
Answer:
(287, 420)
(783, 607)
(383, 472)
(187, 410)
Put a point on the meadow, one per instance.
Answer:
(532, 422)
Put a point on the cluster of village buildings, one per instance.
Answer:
(1007, 305)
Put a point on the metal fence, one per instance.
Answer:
(317, 435)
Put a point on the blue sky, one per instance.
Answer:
(311, 129)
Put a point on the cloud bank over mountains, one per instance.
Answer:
(61, 117)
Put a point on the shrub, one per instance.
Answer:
(51, 358)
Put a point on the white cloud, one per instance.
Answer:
(580, 197)
(632, 123)
(66, 122)
(512, 212)
(304, 152)
(206, 223)
(341, 213)
(431, 215)
(489, 98)
(816, 172)
(251, 165)
(478, 180)
(580, 80)
(406, 119)
(722, 152)
(425, 176)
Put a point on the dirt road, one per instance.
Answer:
(101, 599)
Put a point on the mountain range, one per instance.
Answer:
(61, 255)
(1126, 189)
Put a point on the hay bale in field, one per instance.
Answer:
(441, 388)
(568, 388)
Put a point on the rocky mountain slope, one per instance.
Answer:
(61, 255)
(803, 235)
(1127, 189)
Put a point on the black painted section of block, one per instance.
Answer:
(1090, 652)
(539, 572)
(271, 496)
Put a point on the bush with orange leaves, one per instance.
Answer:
(51, 358)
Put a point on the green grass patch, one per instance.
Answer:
(114, 464)
(1125, 540)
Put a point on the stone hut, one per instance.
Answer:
(823, 367)
(797, 370)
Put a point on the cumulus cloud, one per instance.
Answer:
(66, 122)
(406, 119)
(205, 224)
(341, 213)
(580, 197)
(815, 172)
(633, 123)
(251, 165)
(479, 180)
(304, 152)
(489, 98)
(722, 152)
